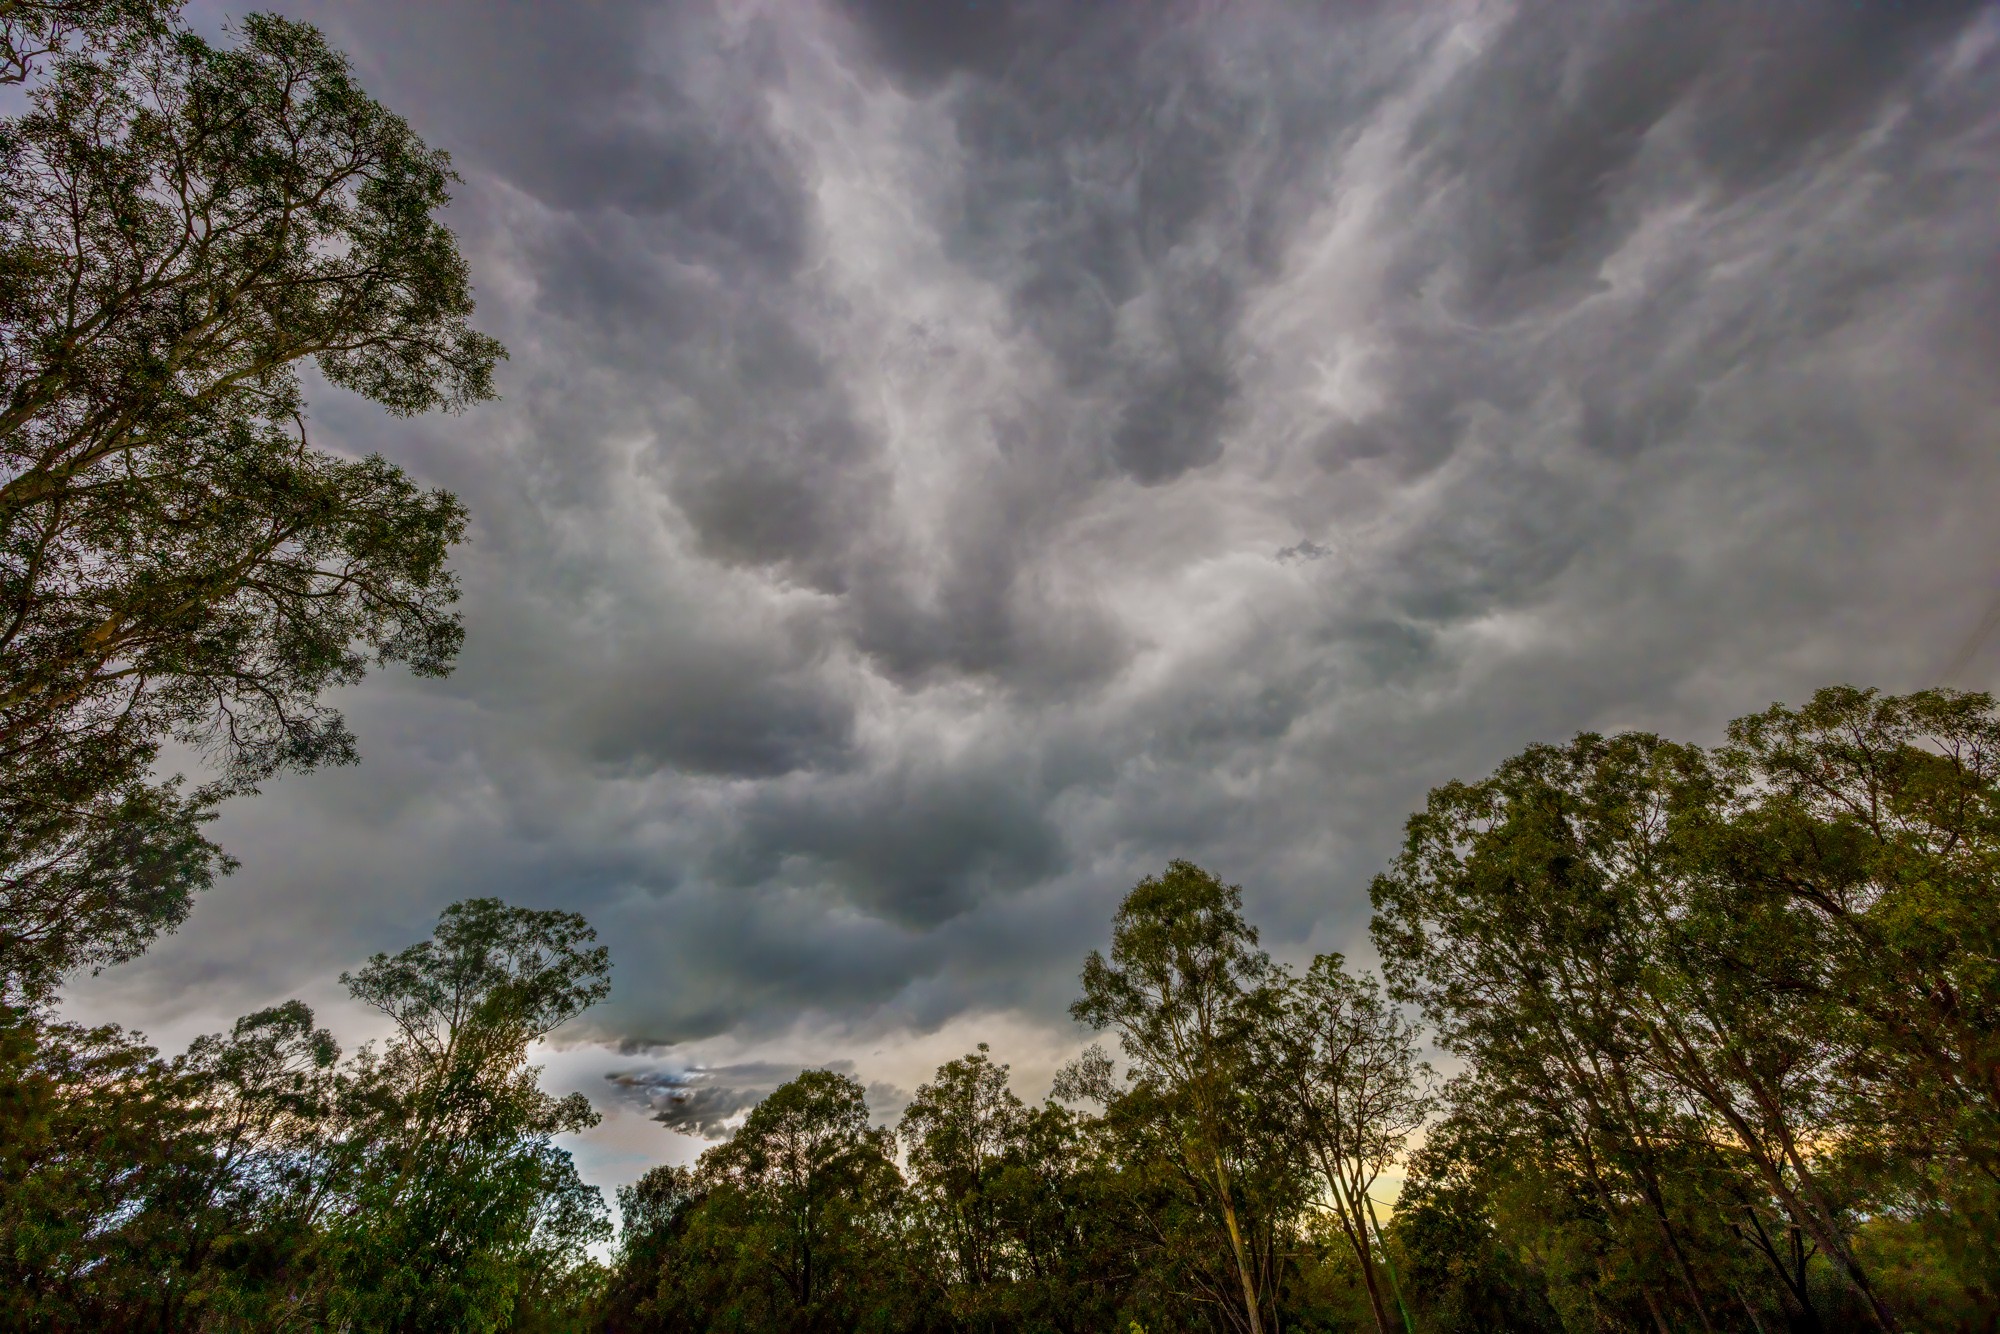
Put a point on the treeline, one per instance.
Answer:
(1221, 1182)
(1724, 1025)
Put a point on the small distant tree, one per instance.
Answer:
(799, 1205)
(649, 1285)
(960, 1133)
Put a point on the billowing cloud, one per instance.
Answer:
(956, 457)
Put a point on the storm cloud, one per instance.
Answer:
(957, 456)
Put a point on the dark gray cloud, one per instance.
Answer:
(706, 1101)
(709, 1102)
(957, 457)
(923, 43)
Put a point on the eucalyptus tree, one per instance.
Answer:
(1870, 824)
(1340, 1065)
(261, 1182)
(1018, 1210)
(1557, 921)
(184, 227)
(1178, 987)
(458, 1200)
(798, 1209)
(960, 1134)
(272, 1170)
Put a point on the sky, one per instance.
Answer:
(957, 455)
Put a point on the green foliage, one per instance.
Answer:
(147, 1193)
(1467, 1273)
(651, 1267)
(89, 877)
(1013, 1202)
(1870, 825)
(1662, 1121)
(793, 1224)
(961, 1134)
(1339, 1068)
(258, 1182)
(91, 1122)
(460, 1199)
(31, 31)
(1727, 1012)
(181, 226)
(1178, 988)
(493, 979)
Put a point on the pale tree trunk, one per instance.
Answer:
(1250, 1303)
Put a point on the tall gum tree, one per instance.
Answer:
(1176, 986)
(1568, 922)
(183, 227)
(1869, 825)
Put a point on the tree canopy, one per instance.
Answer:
(1714, 1069)
(1717, 1020)
(261, 1181)
(183, 227)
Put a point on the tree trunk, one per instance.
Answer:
(1250, 1302)
(1356, 1228)
(1659, 1321)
